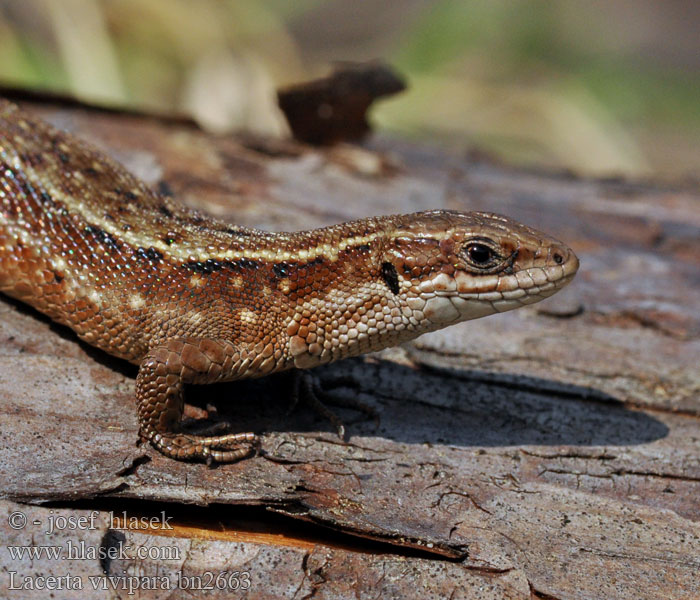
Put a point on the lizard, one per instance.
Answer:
(193, 299)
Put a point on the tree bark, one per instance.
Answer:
(548, 452)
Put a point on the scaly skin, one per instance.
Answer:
(191, 299)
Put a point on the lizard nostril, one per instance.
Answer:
(558, 258)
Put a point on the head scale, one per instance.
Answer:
(451, 266)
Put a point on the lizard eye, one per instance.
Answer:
(480, 255)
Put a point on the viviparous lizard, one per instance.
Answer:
(192, 299)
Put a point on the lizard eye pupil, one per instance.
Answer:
(479, 254)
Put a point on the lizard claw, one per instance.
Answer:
(221, 449)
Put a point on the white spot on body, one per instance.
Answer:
(248, 316)
(96, 298)
(136, 301)
(284, 285)
(196, 281)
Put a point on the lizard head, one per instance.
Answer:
(451, 266)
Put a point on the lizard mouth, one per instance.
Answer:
(444, 299)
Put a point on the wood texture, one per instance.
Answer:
(551, 452)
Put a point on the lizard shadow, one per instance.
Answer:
(449, 406)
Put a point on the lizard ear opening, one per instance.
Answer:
(390, 277)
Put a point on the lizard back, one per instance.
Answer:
(93, 247)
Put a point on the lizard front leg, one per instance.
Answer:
(159, 396)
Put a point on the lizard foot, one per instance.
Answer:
(222, 449)
(308, 386)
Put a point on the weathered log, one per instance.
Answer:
(549, 452)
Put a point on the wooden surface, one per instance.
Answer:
(549, 452)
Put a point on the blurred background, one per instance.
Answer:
(602, 87)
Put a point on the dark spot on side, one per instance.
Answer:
(126, 227)
(319, 260)
(149, 254)
(129, 195)
(298, 270)
(362, 247)
(92, 172)
(27, 188)
(240, 232)
(58, 278)
(63, 157)
(243, 263)
(32, 158)
(164, 210)
(109, 217)
(281, 269)
(390, 277)
(192, 217)
(46, 198)
(210, 266)
(164, 188)
(107, 239)
(206, 267)
(154, 254)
